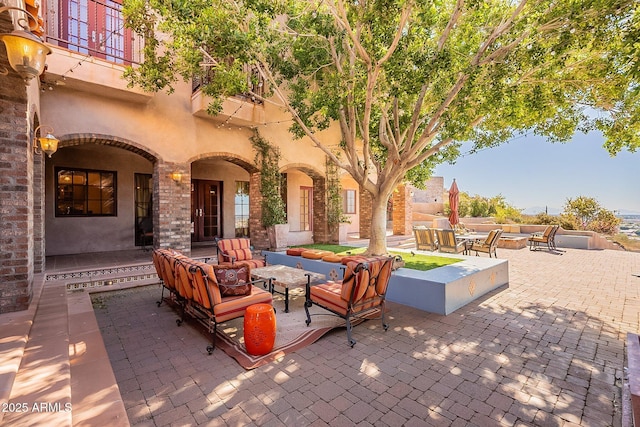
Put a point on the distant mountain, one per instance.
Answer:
(534, 210)
(623, 212)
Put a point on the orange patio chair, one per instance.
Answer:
(363, 288)
(448, 242)
(220, 293)
(546, 237)
(488, 245)
(164, 262)
(237, 249)
(425, 239)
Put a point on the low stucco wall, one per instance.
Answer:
(442, 290)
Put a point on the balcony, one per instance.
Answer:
(241, 110)
(90, 48)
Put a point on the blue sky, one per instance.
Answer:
(533, 173)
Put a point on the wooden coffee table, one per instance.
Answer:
(285, 277)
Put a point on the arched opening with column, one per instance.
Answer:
(98, 190)
(306, 203)
(222, 197)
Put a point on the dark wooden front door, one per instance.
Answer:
(206, 210)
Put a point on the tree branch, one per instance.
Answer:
(457, 11)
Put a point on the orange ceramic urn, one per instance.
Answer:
(259, 329)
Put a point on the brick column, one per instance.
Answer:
(320, 226)
(39, 260)
(172, 207)
(16, 189)
(257, 233)
(365, 213)
(402, 211)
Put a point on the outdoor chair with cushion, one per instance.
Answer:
(546, 237)
(218, 293)
(487, 245)
(235, 250)
(362, 289)
(164, 261)
(425, 239)
(447, 242)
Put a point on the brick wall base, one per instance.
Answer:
(16, 189)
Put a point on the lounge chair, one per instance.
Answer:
(425, 239)
(236, 250)
(448, 242)
(489, 244)
(363, 288)
(547, 237)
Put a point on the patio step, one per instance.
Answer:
(41, 390)
(55, 367)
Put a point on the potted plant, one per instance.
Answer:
(274, 215)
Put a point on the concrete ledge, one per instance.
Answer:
(16, 327)
(573, 241)
(442, 290)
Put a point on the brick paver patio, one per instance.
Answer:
(548, 350)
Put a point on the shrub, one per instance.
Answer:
(605, 222)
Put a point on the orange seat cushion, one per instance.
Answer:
(329, 295)
(355, 258)
(296, 251)
(332, 258)
(315, 254)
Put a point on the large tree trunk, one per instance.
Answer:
(378, 239)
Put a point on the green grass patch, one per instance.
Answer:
(418, 261)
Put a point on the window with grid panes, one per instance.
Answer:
(81, 192)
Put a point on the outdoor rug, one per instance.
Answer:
(292, 333)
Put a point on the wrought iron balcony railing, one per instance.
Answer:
(255, 83)
(93, 28)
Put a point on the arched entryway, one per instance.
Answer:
(220, 193)
(98, 191)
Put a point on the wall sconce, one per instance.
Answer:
(25, 51)
(48, 143)
(176, 176)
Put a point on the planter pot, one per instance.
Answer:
(278, 233)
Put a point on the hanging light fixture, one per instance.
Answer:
(48, 143)
(25, 51)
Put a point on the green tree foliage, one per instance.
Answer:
(506, 213)
(587, 214)
(583, 208)
(405, 80)
(267, 156)
(605, 222)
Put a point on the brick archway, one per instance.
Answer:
(75, 139)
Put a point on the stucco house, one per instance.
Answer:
(131, 163)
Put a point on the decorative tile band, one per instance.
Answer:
(109, 282)
(109, 276)
(92, 274)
